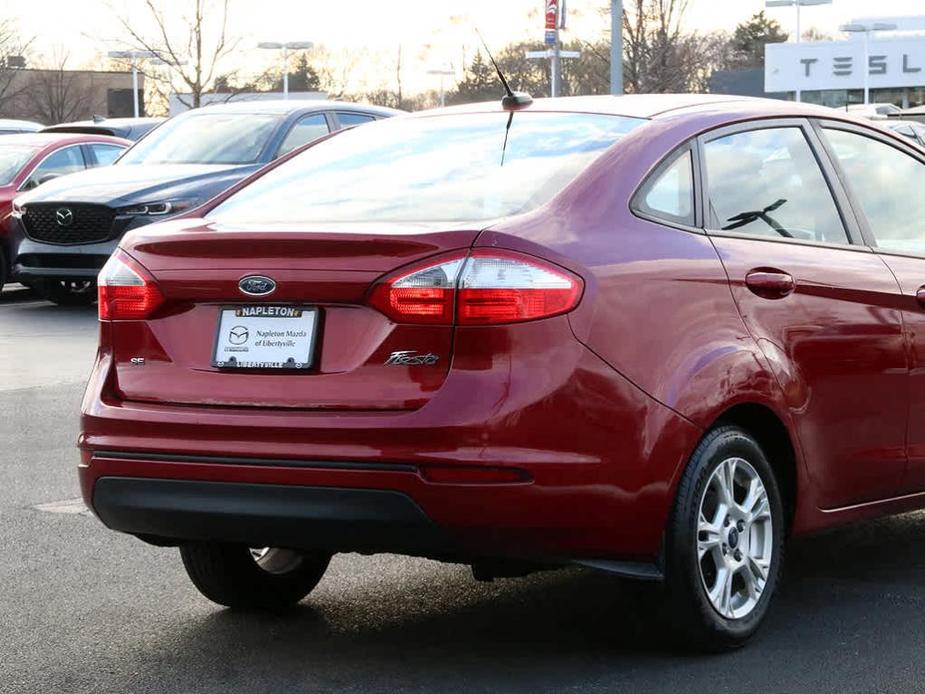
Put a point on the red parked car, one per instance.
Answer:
(27, 160)
(655, 335)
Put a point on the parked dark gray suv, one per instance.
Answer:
(63, 232)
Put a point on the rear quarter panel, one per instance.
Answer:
(657, 306)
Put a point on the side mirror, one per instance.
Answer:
(47, 177)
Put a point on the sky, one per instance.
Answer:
(432, 33)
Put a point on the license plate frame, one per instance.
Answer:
(264, 312)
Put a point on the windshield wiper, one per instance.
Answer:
(744, 218)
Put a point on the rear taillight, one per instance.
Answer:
(507, 287)
(126, 290)
(424, 294)
(485, 288)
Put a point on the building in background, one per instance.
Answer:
(747, 82)
(831, 72)
(57, 96)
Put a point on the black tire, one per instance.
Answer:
(4, 270)
(67, 292)
(230, 575)
(695, 620)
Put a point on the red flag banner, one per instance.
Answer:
(552, 13)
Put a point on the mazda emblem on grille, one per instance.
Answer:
(257, 285)
(64, 217)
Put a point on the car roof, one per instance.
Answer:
(26, 125)
(49, 139)
(655, 106)
(113, 122)
(99, 126)
(280, 106)
(647, 105)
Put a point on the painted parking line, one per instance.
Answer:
(66, 506)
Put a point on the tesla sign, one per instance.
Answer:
(840, 65)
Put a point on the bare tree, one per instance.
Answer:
(58, 95)
(657, 55)
(191, 55)
(13, 49)
(335, 70)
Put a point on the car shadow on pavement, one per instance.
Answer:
(570, 627)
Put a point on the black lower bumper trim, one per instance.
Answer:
(262, 515)
(273, 462)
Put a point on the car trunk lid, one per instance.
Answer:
(169, 358)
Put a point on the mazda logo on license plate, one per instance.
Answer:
(257, 285)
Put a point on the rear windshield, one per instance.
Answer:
(12, 159)
(206, 138)
(440, 168)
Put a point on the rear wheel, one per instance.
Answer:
(725, 541)
(68, 292)
(241, 577)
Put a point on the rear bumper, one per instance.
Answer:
(547, 457)
(266, 515)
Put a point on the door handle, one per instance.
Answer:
(769, 283)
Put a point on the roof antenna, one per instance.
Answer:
(512, 99)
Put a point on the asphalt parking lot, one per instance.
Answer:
(85, 610)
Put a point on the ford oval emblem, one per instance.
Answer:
(257, 285)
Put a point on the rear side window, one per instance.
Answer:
(348, 119)
(768, 183)
(106, 154)
(889, 184)
(669, 195)
(305, 130)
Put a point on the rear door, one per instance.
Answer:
(887, 182)
(821, 305)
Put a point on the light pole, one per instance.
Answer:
(286, 47)
(798, 4)
(443, 72)
(135, 56)
(616, 47)
(865, 29)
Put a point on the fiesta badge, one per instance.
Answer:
(257, 285)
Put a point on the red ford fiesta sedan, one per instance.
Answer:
(655, 335)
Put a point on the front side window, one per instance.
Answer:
(305, 130)
(205, 138)
(448, 168)
(768, 183)
(670, 195)
(889, 185)
(64, 161)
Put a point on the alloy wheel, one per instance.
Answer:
(276, 560)
(735, 538)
